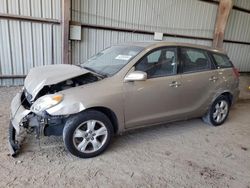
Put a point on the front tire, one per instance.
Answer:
(218, 112)
(87, 134)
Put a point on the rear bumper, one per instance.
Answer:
(236, 94)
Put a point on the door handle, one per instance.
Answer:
(213, 78)
(175, 84)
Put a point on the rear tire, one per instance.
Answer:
(218, 112)
(87, 134)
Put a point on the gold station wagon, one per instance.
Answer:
(123, 87)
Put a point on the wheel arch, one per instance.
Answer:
(109, 113)
(229, 95)
(225, 93)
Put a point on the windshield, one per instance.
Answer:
(111, 60)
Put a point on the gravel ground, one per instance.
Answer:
(182, 154)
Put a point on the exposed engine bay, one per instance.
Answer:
(73, 82)
(51, 89)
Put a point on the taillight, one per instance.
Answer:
(236, 72)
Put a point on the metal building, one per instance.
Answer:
(30, 35)
(31, 31)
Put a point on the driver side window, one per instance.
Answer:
(159, 63)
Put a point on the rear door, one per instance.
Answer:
(226, 70)
(228, 75)
(199, 81)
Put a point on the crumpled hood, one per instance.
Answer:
(50, 74)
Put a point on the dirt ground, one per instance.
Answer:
(183, 154)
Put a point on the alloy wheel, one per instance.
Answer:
(90, 136)
(220, 111)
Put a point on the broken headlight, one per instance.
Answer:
(46, 102)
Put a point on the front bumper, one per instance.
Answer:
(12, 142)
(18, 114)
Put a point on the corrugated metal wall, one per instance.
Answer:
(238, 29)
(25, 44)
(242, 3)
(188, 17)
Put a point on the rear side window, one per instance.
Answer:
(194, 60)
(222, 61)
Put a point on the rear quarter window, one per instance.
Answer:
(222, 61)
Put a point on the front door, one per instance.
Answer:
(157, 99)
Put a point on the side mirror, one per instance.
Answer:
(136, 76)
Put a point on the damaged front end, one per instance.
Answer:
(24, 118)
(43, 110)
